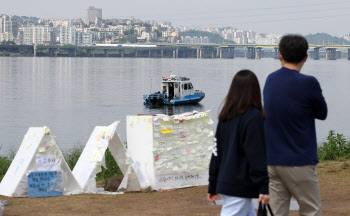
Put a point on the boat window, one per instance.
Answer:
(182, 86)
(164, 88)
(190, 86)
(185, 86)
(176, 86)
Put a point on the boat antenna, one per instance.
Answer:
(150, 90)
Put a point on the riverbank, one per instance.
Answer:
(334, 180)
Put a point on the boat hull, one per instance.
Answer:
(157, 99)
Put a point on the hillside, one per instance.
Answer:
(214, 37)
(323, 38)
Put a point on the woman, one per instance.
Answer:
(238, 169)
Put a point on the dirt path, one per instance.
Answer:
(334, 183)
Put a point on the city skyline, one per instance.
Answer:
(278, 17)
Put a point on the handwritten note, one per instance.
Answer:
(45, 184)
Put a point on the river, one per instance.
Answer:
(73, 95)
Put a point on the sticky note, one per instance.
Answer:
(210, 122)
(198, 169)
(169, 148)
(103, 143)
(165, 118)
(157, 158)
(156, 135)
(166, 131)
(148, 127)
(198, 130)
(162, 143)
(155, 143)
(211, 133)
(42, 149)
(188, 150)
(182, 134)
(175, 168)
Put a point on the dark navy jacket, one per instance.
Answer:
(292, 102)
(238, 163)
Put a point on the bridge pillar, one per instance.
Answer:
(348, 54)
(231, 53)
(161, 53)
(258, 53)
(34, 50)
(106, 52)
(72, 52)
(174, 53)
(201, 52)
(330, 54)
(276, 53)
(212, 53)
(136, 53)
(221, 52)
(149, 54)
(90, 52)
(316, 55)
(52, 52)
(177, 53)
(250, 53)
(337, 54)
(122, 53)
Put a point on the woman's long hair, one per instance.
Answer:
(243, 95)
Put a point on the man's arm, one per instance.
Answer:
(319, 105)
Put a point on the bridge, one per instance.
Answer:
(165, 50)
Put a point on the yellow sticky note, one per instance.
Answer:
(148, 127)
(166, 131)
(42, 149)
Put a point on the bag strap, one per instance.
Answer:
(270, 210)
(262, 210)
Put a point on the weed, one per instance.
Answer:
(335, 148)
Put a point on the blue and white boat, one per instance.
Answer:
(175, 91)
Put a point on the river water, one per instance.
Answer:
(73, 95)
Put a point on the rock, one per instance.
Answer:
(112, 184)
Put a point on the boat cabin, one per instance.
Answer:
(177, 87)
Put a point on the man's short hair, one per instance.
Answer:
(293, 48)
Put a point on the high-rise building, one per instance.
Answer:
(67, 35)
(8, 25)
(94, 14)
(37, 35)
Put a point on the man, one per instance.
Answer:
(292, 102)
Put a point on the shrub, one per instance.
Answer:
(72, 157)
(335, 148)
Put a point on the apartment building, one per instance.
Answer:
(67, 35)
(36, 35)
